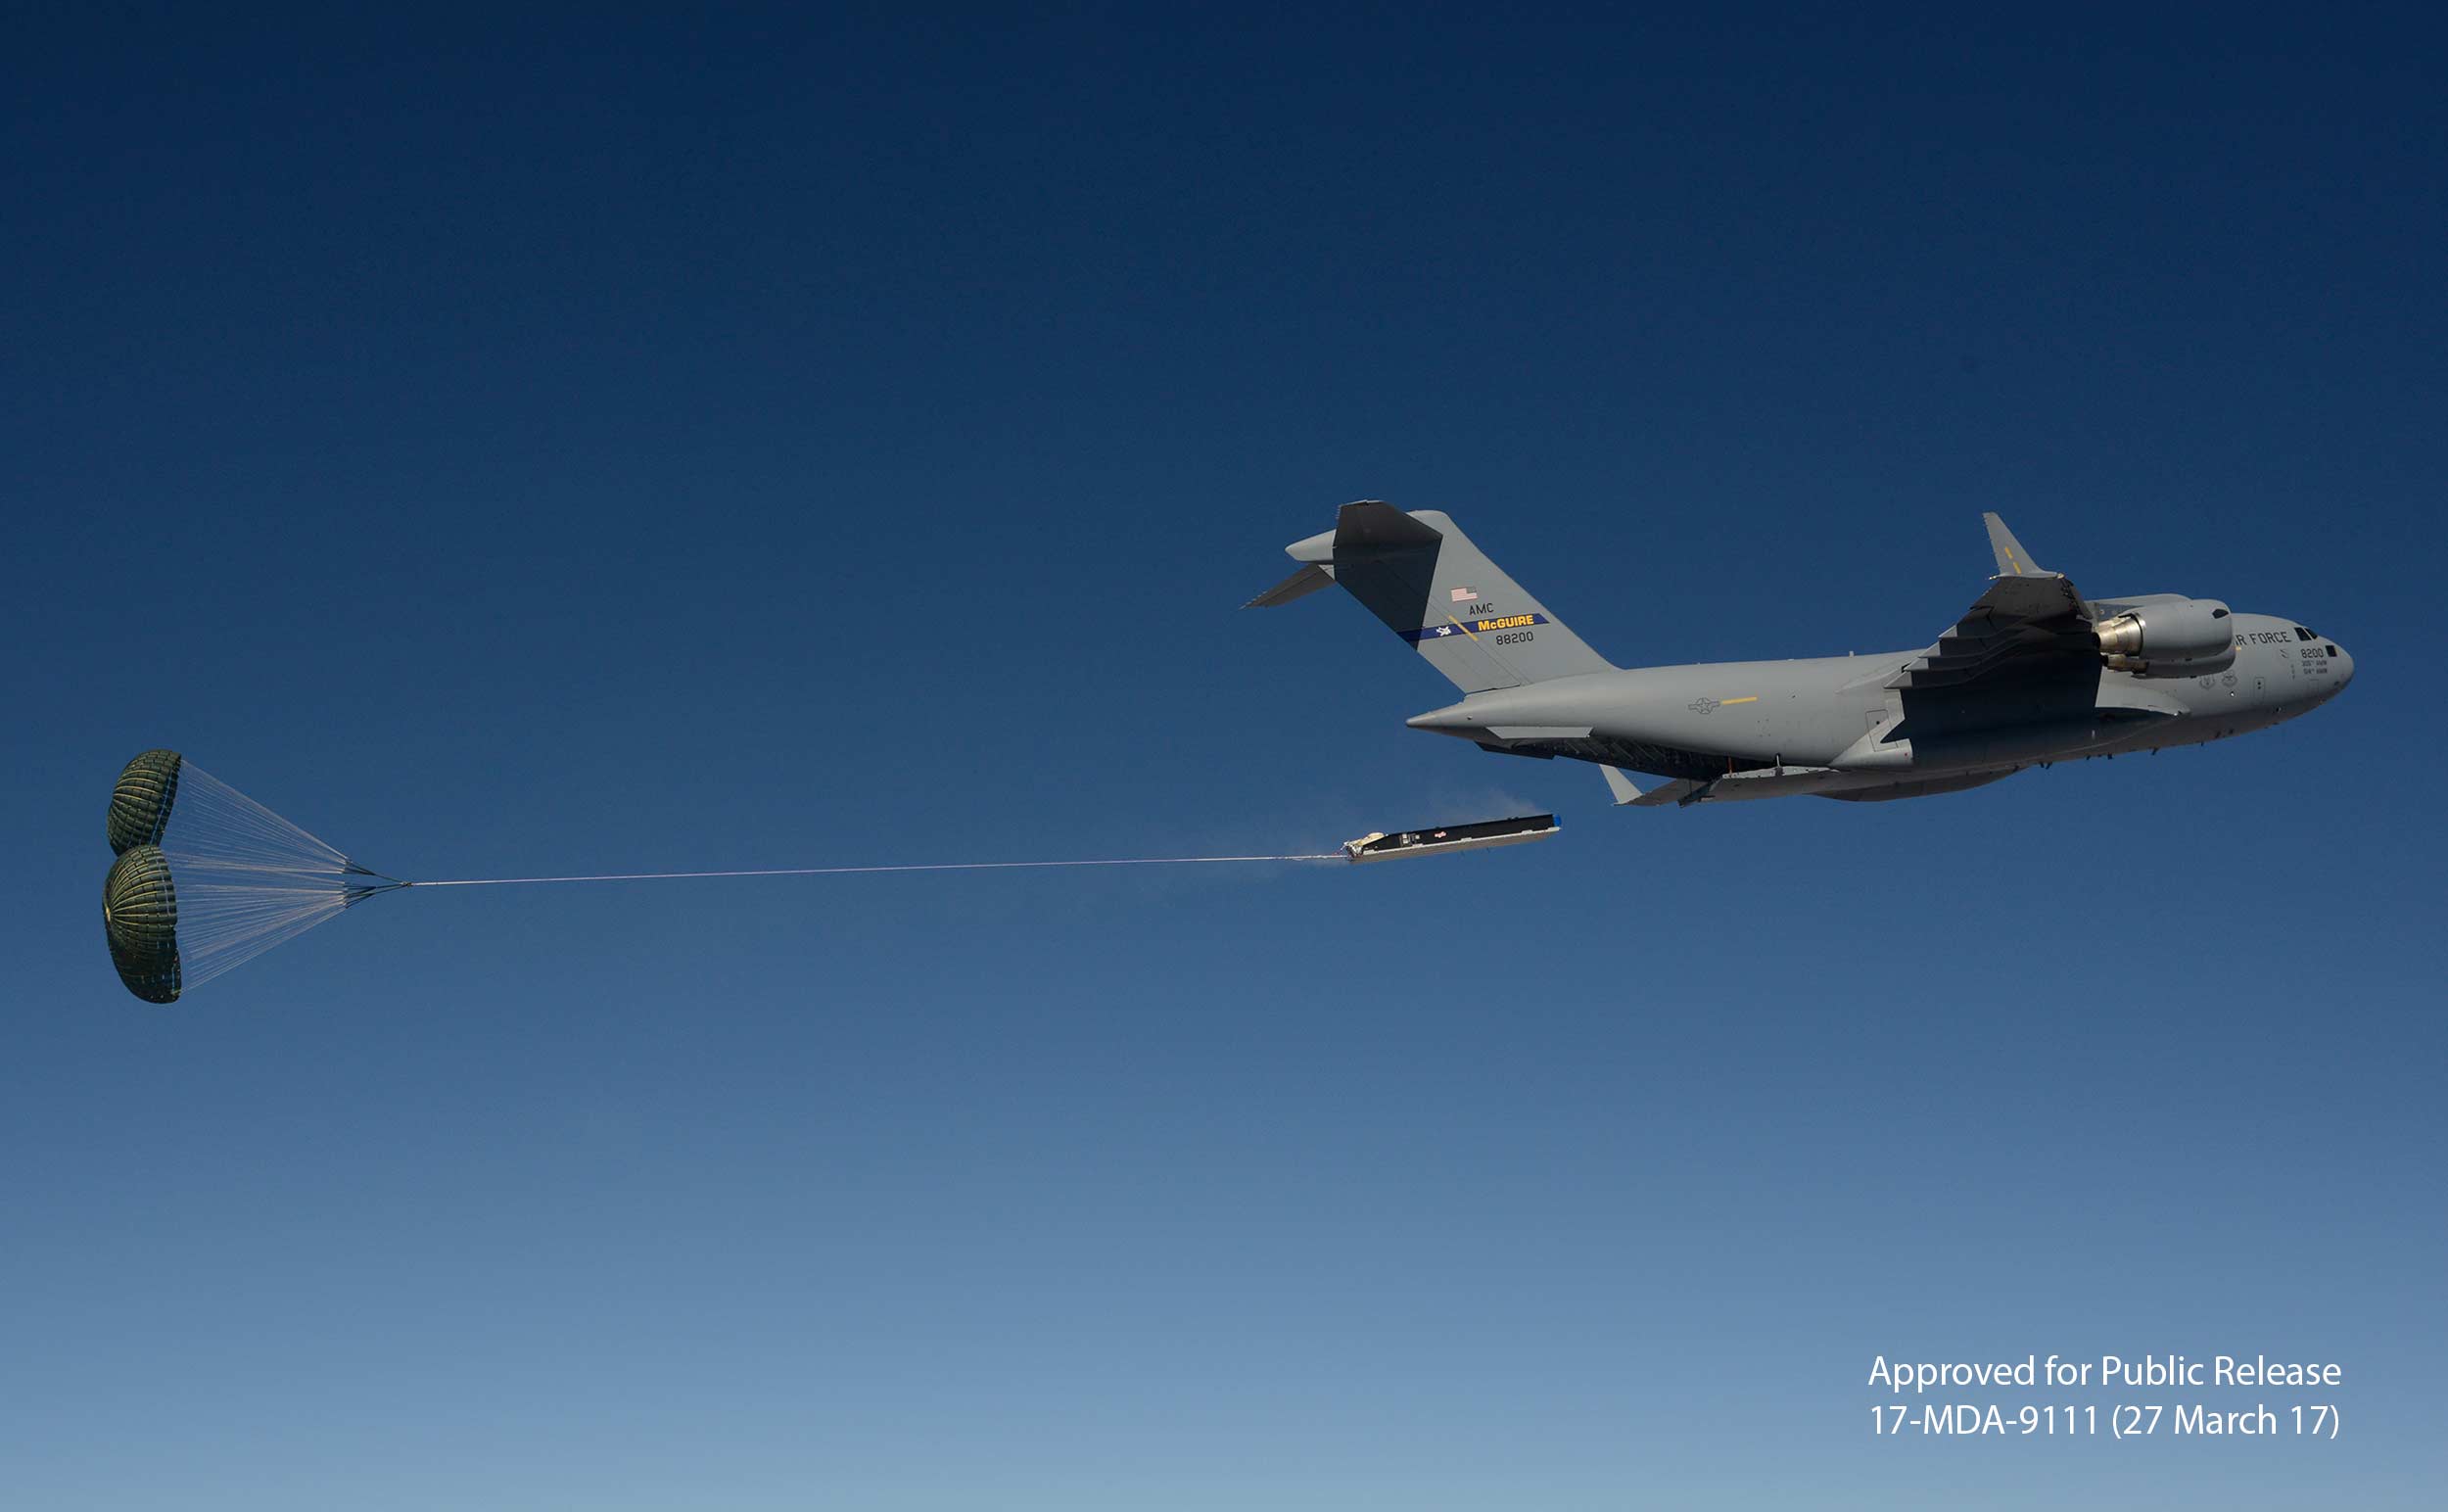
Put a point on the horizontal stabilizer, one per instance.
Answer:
(1372, 526)
(1300, 585)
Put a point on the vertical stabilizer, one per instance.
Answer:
(1420, 574)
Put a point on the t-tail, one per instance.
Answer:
(1417, 572)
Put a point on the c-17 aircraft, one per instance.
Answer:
(2033, 673)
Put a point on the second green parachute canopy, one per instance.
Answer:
(140, 917)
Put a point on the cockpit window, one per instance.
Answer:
(2218, 614)
(2303, 634)
(2333, 650)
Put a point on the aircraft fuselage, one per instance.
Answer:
(2032, 673)
(1839, 718)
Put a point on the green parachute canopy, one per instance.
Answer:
(207, 877)
(140, 803)
(140, 918)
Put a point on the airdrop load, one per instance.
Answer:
(1484, 835)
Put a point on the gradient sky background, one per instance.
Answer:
(546, 443)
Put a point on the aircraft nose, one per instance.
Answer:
(2345, 666)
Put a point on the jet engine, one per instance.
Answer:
(2180, 637)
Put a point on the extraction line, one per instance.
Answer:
(933, 865)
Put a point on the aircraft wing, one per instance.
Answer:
(2029, 623)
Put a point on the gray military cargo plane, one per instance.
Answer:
(2033, 673)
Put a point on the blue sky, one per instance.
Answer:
(552, 443)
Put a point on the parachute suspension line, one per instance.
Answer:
(215, 823)
(930, 866)
(247, 880)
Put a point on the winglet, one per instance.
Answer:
(1621, 786)
(2012, 560)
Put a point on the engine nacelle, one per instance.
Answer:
(2183, 638)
